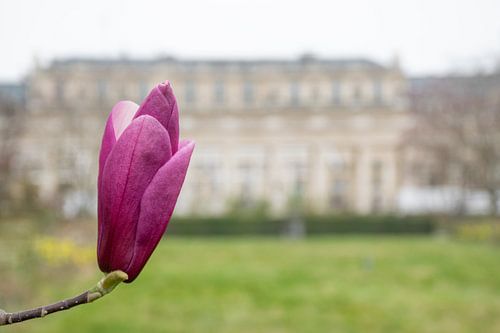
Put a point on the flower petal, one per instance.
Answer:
(142, 149)
(120, 117)
(162, 105)
(157, 206)
(123, 115)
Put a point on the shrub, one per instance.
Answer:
(313, 225)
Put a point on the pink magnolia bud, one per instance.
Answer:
(142, 167)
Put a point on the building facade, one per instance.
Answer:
(325, 133)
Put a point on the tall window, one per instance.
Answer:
(59, 90)
(219, 92)
(207, 181)
(357, 93)
(294, 93)
(339, 185)
(190, 93)
(377, 91)
(247, 184)
(209, 175)
(143, 90)
(336, 92)
(377, 169)
(248, 93)
(299, 179)
(315, 94)
(102, 90)
(338, 192)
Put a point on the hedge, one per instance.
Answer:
(309, 225)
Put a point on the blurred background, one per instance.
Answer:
(346, 175)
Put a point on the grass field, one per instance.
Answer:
(351, 284)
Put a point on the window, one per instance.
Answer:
(190, 93)
(294, 94)
(299, 173)
(338, 184)
(82, 92)
(246, 184)
(377, 91)
(102, 90)
(207, 179)
(59, 90)
(357, 93)
(315, 94)
(122, 91)
(248, 93)
(249, 178)
(377, 172)
(338, 192)
(377, 186)
(219, 92)
(143, 90)
(336, 92)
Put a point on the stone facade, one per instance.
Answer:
(325, 133)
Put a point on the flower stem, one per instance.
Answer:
(103, 287)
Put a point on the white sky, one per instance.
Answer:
(430, 36)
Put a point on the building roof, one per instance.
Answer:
(303, 60)
(471, 82)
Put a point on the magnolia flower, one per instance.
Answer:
(142, 166)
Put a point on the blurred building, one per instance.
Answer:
(324, 134)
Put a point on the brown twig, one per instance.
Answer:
(103, 287)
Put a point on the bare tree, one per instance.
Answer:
(11, 114)
(457, 133)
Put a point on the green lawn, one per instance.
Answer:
(351, 284)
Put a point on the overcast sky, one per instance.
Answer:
(429, 36)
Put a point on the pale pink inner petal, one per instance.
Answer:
(123, 113)
(184, 143)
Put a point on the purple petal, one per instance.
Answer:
(162, 105)
(157, 206)
(119, 118)
(142, 149)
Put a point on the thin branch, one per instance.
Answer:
(103, 287)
